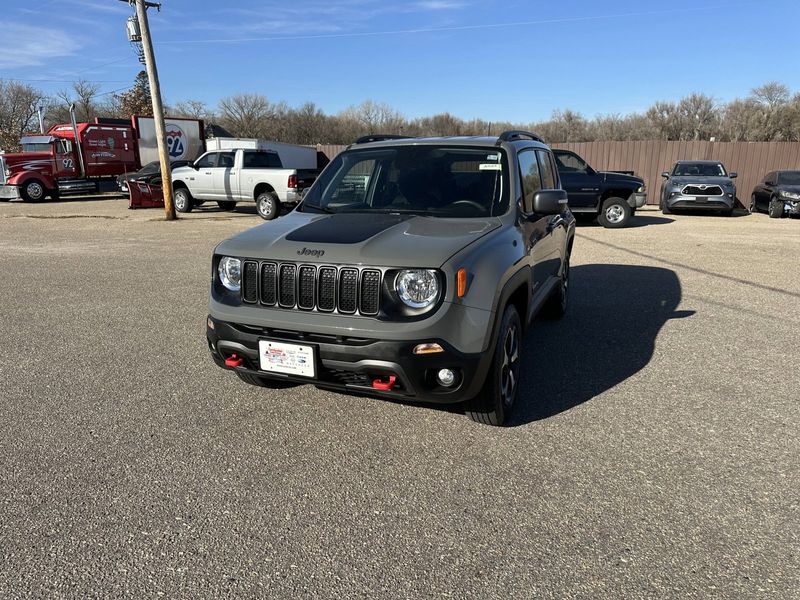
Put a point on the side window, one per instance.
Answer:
(548, 175)
(568, 162)
(226, 159)
(531, 178)
(208, 160)
(64, 146)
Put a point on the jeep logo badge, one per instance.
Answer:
(310, 252)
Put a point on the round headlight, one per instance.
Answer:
(230, 273)
(417, 288)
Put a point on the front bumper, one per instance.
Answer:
(637, 199)
(724, 202)
(790, 207)
(351, 365)
(9, 192)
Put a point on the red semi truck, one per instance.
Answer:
(74, 157)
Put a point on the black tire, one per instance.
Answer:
(662, 204)
(495, 402)
(728, 212)
(556, 305)
(226, 204)
(615, 213)
(33, 190)
(775, 209)
(183, 200)
(268, 205)
(753, 204)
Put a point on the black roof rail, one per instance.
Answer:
(516, 134)
(379, 137)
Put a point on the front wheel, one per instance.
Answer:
(496, 400)
(615, 213)
(33, 191)
(775, 209)
(226, 204)
(183, 200)
(267, 205)
(753, 204)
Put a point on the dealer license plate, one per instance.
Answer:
(290, 359)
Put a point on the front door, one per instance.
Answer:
(66, 162)
(581, 182)
(538, 236)
(202, 180)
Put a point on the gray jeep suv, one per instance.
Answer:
(410, 270)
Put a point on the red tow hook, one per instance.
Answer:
(234, 361)
(384, 385)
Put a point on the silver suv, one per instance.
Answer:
(411, 270)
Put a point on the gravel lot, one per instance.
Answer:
(655, 453)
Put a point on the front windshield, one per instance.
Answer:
(440, 181)
(700, 170)
(789, 178)
(36, 147)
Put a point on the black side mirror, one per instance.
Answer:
(768, 182)
(665, 174)
(549, 202)
(733, 175)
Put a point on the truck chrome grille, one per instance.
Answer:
(348, 290)
(702, 190)
(2, 171)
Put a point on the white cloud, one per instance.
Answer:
(26, 46)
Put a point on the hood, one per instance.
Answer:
(697, 179)
(13, 159)
(795, 189)
(622, 177)
(379, 240)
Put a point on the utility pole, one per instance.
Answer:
(155, 96)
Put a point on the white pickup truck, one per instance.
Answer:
(231, 176)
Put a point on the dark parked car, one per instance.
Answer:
(698, 184)
(146, 171)
(410, 270)
(612, 196)
(778, 194)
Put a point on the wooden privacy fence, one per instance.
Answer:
(648, 159)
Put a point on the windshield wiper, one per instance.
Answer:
(323, 209)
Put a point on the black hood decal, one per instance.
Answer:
(345, 228)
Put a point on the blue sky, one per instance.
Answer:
(497, 60)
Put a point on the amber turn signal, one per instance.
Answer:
(462, 282)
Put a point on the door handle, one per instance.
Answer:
(209, 173)
(555, 222)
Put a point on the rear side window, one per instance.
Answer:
(548, 173)
(570, 163)
(531, 179)
(262, 160)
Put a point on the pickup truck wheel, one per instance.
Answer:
(496, 400)
(226, 204)
(775, 209)
(183, 200)
(268, 205)
(556, 305)
(33, 191)
(616, 212)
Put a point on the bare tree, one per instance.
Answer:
(193, 109)
(18, 107)
(247, 115)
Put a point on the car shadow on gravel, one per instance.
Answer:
(637, 220)
(607, 335)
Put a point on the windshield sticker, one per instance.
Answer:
(493, 157)
(490, 167)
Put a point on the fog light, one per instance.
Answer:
(446, 377)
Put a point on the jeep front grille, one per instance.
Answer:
(348, 290)
(702, 190)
